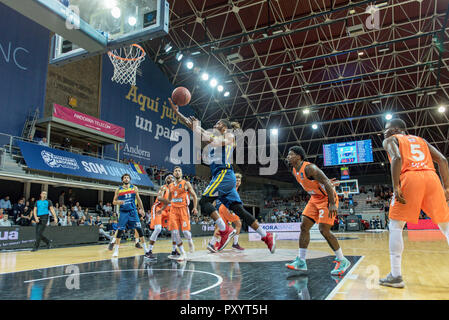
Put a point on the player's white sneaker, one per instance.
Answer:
(182, 257)
(191, 247)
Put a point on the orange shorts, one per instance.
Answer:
(422, 190)
(157, 219)
(227, 215)
(317, 209)
(179, 218)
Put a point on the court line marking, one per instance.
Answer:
(337, 288)
(220, 279)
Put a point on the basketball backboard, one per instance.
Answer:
(89, 27)
(350, 186)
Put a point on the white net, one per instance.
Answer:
(126, 61)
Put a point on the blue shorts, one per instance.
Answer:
(222, 186)
(128, 219)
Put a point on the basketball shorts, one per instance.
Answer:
(422, 190)
(179, 219)
(317, 209)
(128, 220)
(222, 186)
(158, 219)
(226, 215)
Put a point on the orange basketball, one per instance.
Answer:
(181, 96)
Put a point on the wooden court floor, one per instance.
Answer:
(425, 262)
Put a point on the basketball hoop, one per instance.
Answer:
(126, 61)
(345, 194)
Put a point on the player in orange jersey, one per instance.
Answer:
(157, 215)
(179, 198)
(416, 187)
(321, 208)
(228, 217)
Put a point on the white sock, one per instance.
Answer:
(174, 247)
(191, 242)
(444, 227)
(113, 240)
(220, 224)
(116, 247)
(396, 244)
(302, 253)
(137, 240)
(339, 254)
(236, 239)
(181, 248)
(150, 247)
(262, 232)
(214, 240)
(145, 247)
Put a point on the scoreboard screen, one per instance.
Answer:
(348, 153)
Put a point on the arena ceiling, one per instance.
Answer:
(347, 62)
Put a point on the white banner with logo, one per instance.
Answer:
(285, 231)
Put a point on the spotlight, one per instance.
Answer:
(116, 12)
(441, 109)
(226, 94)
(306, 111)
(205, 76)
(314, 126)
(213, 83)
(274, 132)
(168, 47)
(388, 116)
(360, 53)
(189, 64)
(179, 56)
(220, 88)
(132, 21)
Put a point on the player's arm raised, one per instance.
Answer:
(115, 201)
(312, 171)
(182, 117)
(443, 167)
(161, 198)
(195, 197)
(139, 201)
(390, 145)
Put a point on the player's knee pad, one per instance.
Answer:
(242, 213)
(139, 231)
(206, 205)
(187, 234)
(396, 225)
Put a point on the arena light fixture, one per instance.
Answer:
(213, 82)
(306, 111)
(220, 88)
(116, 12)
(132, 21)
(274, 132)
(314, 126)
(205, 76)
(441, 109)
(226, 94)
(388, 116)
(189, 64)
(179, 56)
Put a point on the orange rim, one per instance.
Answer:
(129, 59)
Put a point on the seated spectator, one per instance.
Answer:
(24, 219)
(82, 221)
(369, 199)
(101, 228)
(75, 214)
(43, 142)
(107, 208)
(89, 221)
(61, 198)
(73, 221)
(5, 222)
(80, 212)
(86, 212)
(99, 209)
(63, 210)
(62, 220)
(5, 204)
(18, 209)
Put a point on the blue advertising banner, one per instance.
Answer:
(145, 113)
(43, 158)
(23, 68)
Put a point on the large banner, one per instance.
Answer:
(12, 238)
(285, 231)
(23, 68)
(43, 158)
(145, 113)
(87, 121)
